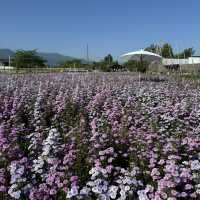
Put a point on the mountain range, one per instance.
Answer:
(51, 58)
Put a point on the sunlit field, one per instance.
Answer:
(99, 136)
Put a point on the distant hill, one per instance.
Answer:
(5, 53)
(51, 58)
(54, 58)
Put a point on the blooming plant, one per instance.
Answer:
(98, 136)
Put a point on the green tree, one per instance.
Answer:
(189, 52)
(77, 64)
(132, 65)
(27, 59)
(104, 65)
(108, 59)
(167, 51)
(186, 53)
(154, 48)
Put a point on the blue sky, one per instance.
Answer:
(108, 26)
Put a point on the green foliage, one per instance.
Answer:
(154, 48)
(186, 53)
(108, 59)
(95, 65)
(27, 59)
(103, 65)
(167, 51)
(132, 65)
(61, 195)
(142, 67)
(75, 63)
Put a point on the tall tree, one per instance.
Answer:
(154, 48)
(186, 53)
(108, 59)
(189, 52)
(167, 51)
(27, 59)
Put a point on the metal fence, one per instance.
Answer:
(7, 69)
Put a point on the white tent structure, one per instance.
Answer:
(142, 55)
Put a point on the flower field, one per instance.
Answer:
(98, 136)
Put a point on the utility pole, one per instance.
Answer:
(9, 61)
(87, 54)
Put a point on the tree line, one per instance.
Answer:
(166, 51)
(27, 59)
(30, 59)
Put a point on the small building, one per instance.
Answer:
(175, 61)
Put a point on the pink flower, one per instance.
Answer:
(74, 178)
(161, 162)
(193, 195)
(171, 198)
(2, 189)
(183, 194)
(188, 187)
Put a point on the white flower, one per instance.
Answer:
(195, 165)
(113, 188)
(185, 162)
(149, 188)
(142, 195)
(73, 192)
(50, 141)
(69, 195)
(93, 177)
(20, 170)
(38, 164)
(133, 172)
(113, 191)
(101, 153)
(97, 190)
(104, 136)
(127, 188)
(13, 168)
(98, 181)
(102, 197)
(14, 193)
(104, 188)
(119, 181)
(123, 195)
(92, 171)
(85, 191)
(14, 178)
(90, 183)
(110, 160)
(113, 195)
(104, 171)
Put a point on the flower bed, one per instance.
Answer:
(98, 136)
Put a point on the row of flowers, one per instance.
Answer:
(98, 136)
